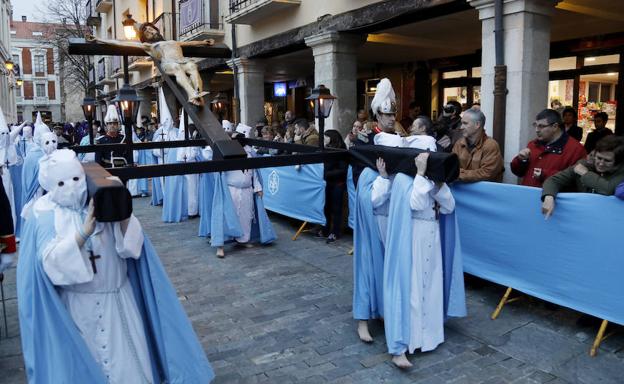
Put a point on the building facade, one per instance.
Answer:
(37, 62)
(7, 78)
(433, 51)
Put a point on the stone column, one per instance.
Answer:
(526, 25)
(335, 66)
(250, 89)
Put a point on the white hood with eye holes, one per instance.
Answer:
(63, 177)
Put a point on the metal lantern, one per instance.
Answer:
(19, 82)
(219, 102)
(127, 104)
(128, 27)
(88, 108)
(9, 65)
(321, 101)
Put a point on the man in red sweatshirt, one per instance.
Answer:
(552, 151)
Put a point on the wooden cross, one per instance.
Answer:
(93, 257)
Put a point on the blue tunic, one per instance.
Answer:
(157, 192)
(55, 352)
(368, 253)
(30, 173)
(175, 201)
(225, 225)
(398, 268)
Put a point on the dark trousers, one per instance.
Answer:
(334, 194)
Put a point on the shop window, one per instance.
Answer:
(601, 60)
(459, 94)
(455, 74)
(597, 94)
(476, 72)
(562, 91)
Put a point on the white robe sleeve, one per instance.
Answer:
(444, 197)
(420, 198)
(65, 263)
(130, 244)
(381, 191)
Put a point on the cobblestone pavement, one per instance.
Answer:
(282, 314)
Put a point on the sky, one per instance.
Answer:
(27, 8)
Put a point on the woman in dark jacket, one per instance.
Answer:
(335, 175)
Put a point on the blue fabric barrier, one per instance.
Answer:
(299, 194)
(574, 259)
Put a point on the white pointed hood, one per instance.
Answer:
(40, 129)
(165, 117)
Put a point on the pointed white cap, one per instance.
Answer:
(165, 117)
(227, 126)
(40, 128)
(244, 129)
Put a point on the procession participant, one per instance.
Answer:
(112, 136)
(9, 159)
(86, 140)
(159, 154)
(423, 280)
(237, 210)
(372, 201)
(95, 304)
(190, 155)
(421, 135)
(46, 143)
(175, 200)
(8, 246)
(20, 144)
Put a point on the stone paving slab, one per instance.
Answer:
(282, 314)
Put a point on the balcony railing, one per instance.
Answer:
(41, 100)
(103, 5)
(198, 22)
(250, 11)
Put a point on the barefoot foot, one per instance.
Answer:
(401, 361)
(363, 332)
(220, 253)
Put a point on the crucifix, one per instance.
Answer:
(436, 208)
(93, 258)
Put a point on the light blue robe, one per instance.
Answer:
(368, 254)
(225, 225)
(206, 193)
(157, 192)
(86, 157)
(30, 174)
(398, 268)
(16, 179)
(175, 201)
(145, 158)
(54, 351)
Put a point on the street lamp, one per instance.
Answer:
(88, 108)
(19, 82)
(321, 102)
(128, 27)
(219, 104)
(8, 64)
(127, 104)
